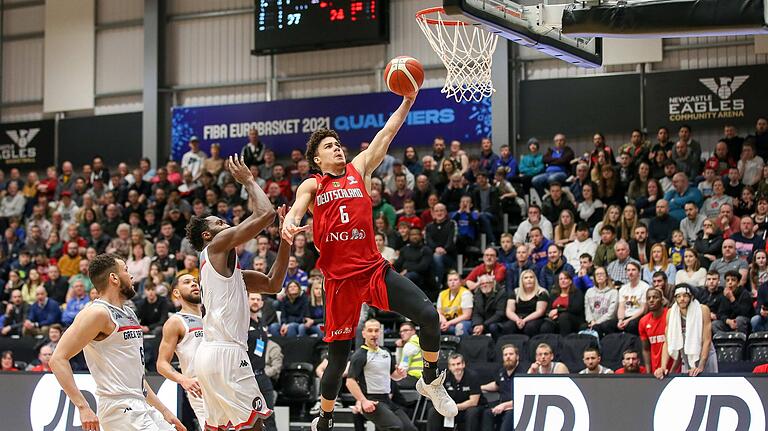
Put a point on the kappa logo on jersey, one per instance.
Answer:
(352, 180)
(354, 234)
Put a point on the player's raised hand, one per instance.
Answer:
(240, 172)
(88, 419)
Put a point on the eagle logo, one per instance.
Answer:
(727, 85)
(22, 137)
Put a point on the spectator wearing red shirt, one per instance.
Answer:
(279, 177)
(652, 329)
(7, 363)
(490, 266)
(45, 357)
(409, 215)
(630, 362)
(48, 186)
(760, 369)
(720, 161)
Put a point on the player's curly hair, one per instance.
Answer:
(314, 142)
(195, 228)
(99, 269)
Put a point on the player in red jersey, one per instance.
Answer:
(354, 270)
(652, 328)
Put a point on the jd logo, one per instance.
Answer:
(22, 137)
(554, 403)
(50, 409)
(709, 404)
(726, 87)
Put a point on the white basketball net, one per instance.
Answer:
(466, 51)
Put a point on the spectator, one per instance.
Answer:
(253, 152)
(152, 311)
(638, 186)
(526, 307)
(632, 304)
(521, 263)
(166, 262)
(681, 194)
(687, 160)
(193, 159)
(316, 309)
(566, 314)
(382, 207)
(730, 262)
(692, 274)
(213, 165)
(746, 205)
(617, 269)
(652, 329)
(534, 220)
(505, 161)
(138, 264)
(628, 222)
(294, 309)
(544, 363)
(659, 262)
(463, 387)
(556, 264)
(760, 137)
(16, 313)
(400, 193)
(490, 266)
(388, 253)
(690, 341)
(77, 301)
(611, 218)
(630, 362)
(556, 202)
(601, 303)
(713, 204)
(693, 222)
(453, 193)
(750, 165)
(638, 247)
(263, 250)
(646, 204)
(590, 209)
(29, 288)
(582, 244)
(421, 192)
(565, 231)
(56, 285)
(7, 364)
(706, 186)
(191, 267)
(500, 415)
(758, 270)
(69, 264)
(411, 161)
(746, 240)
(759, 322)
(489, 306)
(605, 251)
(734, 185)
(539, 246)
(296, 274)
(409, 215)
(44, 357)
(454, 305)
(485, 197)
(82, 275)
(120, 245)
(712, 295)
(558, 160)
(736, 308)
(721, 161)
(414, 260)
(579, 181)
(307, 255)
(709, 243)
(43, 313)
(609, 189)
(592, 359)
(507, 250)
(12, 204)
(636, 147)
(660, 227)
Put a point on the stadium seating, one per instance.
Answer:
(612, 346)
(757, 346)
(730, 346)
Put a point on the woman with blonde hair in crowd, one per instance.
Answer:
(137, 237)
(30, 286)
(659, 261)
(612, 217)
(628, 223)
(692, 273)
(316, 316)
(565, 231)
(526, 306)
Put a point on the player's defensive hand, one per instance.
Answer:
(369, 406)
(173, 420)
(241, 173)
(192, 386)
(88, 419)
(290, 230)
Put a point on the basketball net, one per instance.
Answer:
(466, 51)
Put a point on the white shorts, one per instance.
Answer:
(121, 414)
(198, 406)
(230, 393)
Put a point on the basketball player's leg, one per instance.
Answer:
(407, 299)
(130, 414)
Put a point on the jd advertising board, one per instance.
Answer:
(286, 124)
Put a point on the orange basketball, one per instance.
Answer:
(404, 75)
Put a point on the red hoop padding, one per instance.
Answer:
(420, 16)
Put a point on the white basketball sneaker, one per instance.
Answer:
(436, 392)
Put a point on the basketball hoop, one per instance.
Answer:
(466, 51)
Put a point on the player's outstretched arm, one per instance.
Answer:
(262, 214)
(304, 196)
(173, 331)
(370, 159)
(155, 402)
(88, 324)
(256, 282)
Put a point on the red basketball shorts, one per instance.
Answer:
(343, 299)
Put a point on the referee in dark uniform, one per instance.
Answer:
(464, 387)
(371, 369)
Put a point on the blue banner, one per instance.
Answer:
(286, 124)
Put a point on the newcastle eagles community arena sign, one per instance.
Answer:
(627, 403)
(286, 124)
(37, 402)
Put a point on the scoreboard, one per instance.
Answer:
(303, 25)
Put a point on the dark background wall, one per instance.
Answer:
(116, 138)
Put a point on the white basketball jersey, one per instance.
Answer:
(193, 335)
(117, 362)
(226, 304)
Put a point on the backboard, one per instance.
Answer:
(536, 26)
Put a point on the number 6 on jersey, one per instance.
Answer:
(344, 216)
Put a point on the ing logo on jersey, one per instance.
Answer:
(354, 234)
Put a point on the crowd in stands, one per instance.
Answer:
(552, 242)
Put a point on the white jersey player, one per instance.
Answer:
(111, 338)
(182, 334)
(230, 393)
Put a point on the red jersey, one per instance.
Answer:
(343, 225)
(622, 371)
(654, 330)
